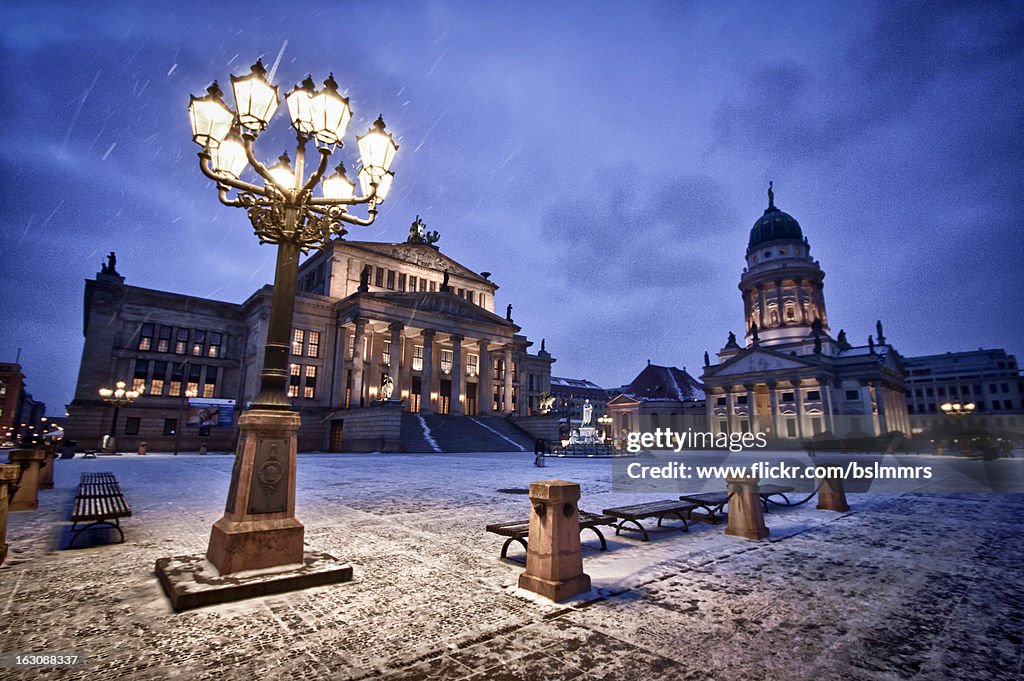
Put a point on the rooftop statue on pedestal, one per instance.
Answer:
(109, 267)
(418, 235)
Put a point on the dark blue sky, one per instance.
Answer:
(604, 160)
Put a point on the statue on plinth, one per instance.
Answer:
(387, 388)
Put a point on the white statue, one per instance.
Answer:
(588, 411)
(387, 388)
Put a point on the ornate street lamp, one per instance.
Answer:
(259, 528)
(606, 421)
(957, 408)
(118, 397)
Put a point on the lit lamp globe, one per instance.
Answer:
(367, 180)
(210, 116)
(946, 407)
(229, 158)
(299, 106)
(106, 392)
(330, 113)
(337, 185)
(282, 172)
(969, 407)
(377, 149)
(255, 98)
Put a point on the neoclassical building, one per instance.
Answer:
(791, 379)
(367, 314)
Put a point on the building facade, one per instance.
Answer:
(989, 379)
(791, 379)
(370, 319)
(659, 397)
(21, 417)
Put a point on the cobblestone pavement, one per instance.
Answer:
(905, 586)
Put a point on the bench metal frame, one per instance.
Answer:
(634, 514)
(99, 486)
(519, 530)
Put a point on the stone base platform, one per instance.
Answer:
(193, 582)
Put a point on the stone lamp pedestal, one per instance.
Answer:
(8, 481)
(46, 468)
(746, 518)
(832, 495)
(554, 563)
(30, 461)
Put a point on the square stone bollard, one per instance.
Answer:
(554, 563)
(30, 460)
(8, 481)
(832, 495)
(746, 518)
(46, 468)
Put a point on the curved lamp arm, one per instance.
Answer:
(261, 169)
(320, 169)
(206, 165)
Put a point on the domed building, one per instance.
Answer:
(791, 379)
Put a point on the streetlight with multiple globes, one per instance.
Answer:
(258, 528)
(606, 421)
(117, 396)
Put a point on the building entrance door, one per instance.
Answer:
(414, 396)
(337, 425)
(471, 399)
(763, 409)
(445, 397)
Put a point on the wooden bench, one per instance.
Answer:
(654, 509)
(714, 502)
(520, 529)
(98, 502)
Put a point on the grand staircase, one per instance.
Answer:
(462, 434)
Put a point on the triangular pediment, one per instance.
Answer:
(623, 399)
(422, 255)
(754, 361)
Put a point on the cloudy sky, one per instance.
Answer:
(604, 160)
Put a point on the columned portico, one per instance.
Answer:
(751, 408)
(358, 389)
(773, 398)
(395, 367)
(507, 405)
(799, 408)
(485, 398)
(458, 376)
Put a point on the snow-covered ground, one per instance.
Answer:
(906, 585)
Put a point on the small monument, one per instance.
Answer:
(586, 434)
(387, 388)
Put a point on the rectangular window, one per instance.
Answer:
(816, 427)
(417, 358)
(446, 361)
(214, 348)
(720, 402)
(295, 375)
(391, 280)
(131, 425)
(192, 387)
(146, 337)
(378, 278)
(156, 385)
(177, 376)
(469, 296)
(852, 395)
(298, 337)
(472, 365)
(788, 397)
(814, 395)
(351, 346)
(170, 426)
(163, 343)
(309, 391)
(433, 286)
(140, 375)
(313, 346)
(386, 354)
(181, 342)
(791, 427)
(210, 383)
(412, 283)
(742, 399)
(423, 285)
(401, 281)
(198, 341)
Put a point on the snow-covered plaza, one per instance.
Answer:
(918, 585)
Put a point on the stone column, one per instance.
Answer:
(799, 408)
(730, 409)
(832, 495)
(751, 408)
(358, 390)
(826, 403)
(554, 562)
(801, 317)
(372, 376)
(779, 303)
(485, 385)
(507, 406)
(427, 376)
(746, 518)
(8, 480)
(30, 461)
(763, 314)
(883, 425)
(458, 376)
(869, 414)
(773, 397)
(395, 370)
(340, 368)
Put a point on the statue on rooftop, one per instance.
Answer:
(508, 312)
(419, 235)
(881, 336)
(364, 280)
(444, 283)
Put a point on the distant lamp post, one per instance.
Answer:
(259, 528)
(606, 421)
(118, 397)
(958, 409)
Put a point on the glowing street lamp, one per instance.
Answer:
(118, 397)
(285, 209)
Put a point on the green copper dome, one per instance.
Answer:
(774, 225)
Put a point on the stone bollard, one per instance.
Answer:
(142, 449)
(746, 518)
(554, 564)
(8, 482)
(30, 460)
(832, 495)
(46, 468)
